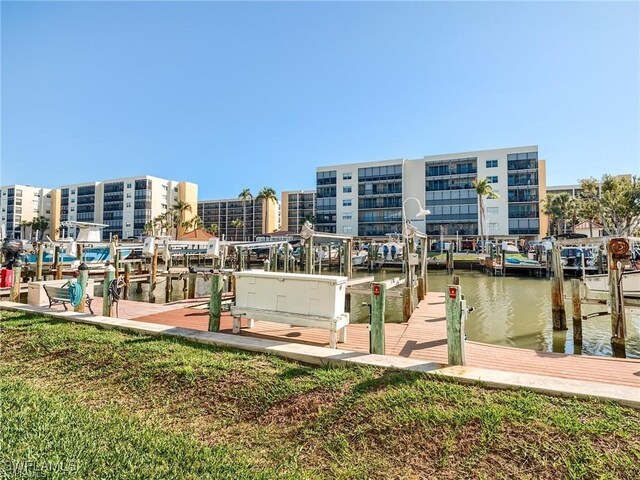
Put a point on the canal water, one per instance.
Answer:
(512, 311)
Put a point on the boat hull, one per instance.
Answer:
(600, 283)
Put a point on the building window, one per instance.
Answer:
(128, 204)
(347, 229)
(347, 217)
(493, 227)
(73, 200)
(493, 179)
(346, 176)
(128, 224)
(129, 185)
(493, 210)
(18, 193)
(492, 163)
(346, 203)
(73, 209)
(128, 195)
(346, 189)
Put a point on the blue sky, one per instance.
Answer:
(236, 95)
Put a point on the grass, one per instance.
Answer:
(108, 404)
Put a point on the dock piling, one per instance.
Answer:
(576, 302)
(127, 280)
(376, 330)
(107, 303)
(17, 280)
(456, 311)
(83, 279)
(558, 314)
(215, 302)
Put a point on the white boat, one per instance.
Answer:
(600, 283)
(359, 258)
(391, 251)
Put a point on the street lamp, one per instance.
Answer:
(421, 212)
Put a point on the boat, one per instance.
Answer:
(392, 249)
(359, 258)
(600, 283)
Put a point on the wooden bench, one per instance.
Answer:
(60, 294)
(337, 326)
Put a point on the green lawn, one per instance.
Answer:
(81, 402)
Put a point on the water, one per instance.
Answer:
(512, 311)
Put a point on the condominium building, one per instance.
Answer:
(367, 199)
(238, 220)
(125, 205)
(297, 207)
(22, 204)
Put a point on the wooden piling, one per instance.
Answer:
(376, 331)
(424, 265)
(193, 277)
(616, 301)
(167, 288)
(39, 262)
(153, 276)
(421, 290)
(455, 279)
(215, 303)
(83, 279)
(14, 294)
(107, 304)
(455, 325)
(127, 281)
(406, 304)
(576, 302)
(558, 314)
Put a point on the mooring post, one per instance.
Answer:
(83, 280)
(167, 288)
(80, 252)
(215, 303)
(406, 304)
(421, 290)
(376, 329)
(558, 314)
(153, 276)
(127, 281)
(576, 302)
(17, 280)
(193, 277)
(456, 308)
(423, 268)
(56, 262)
(39, 262)
(109, 276)
(285, 266)
(450, 265)
(618, 250)
(503, 260)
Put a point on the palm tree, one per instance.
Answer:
(40, 224)
(484, 189)
(267, 194)
(245, 195)
(196, 222)
(178, 210)
(237, 223)
(148, 228)
(212, 229)
(23, 227)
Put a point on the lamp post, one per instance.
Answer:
(408, 232)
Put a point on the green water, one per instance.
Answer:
(512, 311)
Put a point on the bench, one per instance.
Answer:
(60, 294)
(337, 326)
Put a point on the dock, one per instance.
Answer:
(423, 337)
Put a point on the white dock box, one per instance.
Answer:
(297, 293)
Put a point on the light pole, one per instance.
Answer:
(408, 232)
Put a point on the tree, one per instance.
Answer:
(212, 229)
(620, 205)
(40, 224)
(236, 223)
(267, 194)
(483, 189)
(178, 213)
(589, 201)
(556, 208)
(23, 227)
(245, 195)
(148, 228)
(196, 222)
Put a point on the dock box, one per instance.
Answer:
(293, 298)
(36, 295)
(316, 295)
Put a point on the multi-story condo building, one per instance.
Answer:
(125, 205)
(366, 199)
(22, 204)
(297, 207)
(238, 220)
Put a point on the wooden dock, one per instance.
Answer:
(422, 337)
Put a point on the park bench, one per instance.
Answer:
(60, 294)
